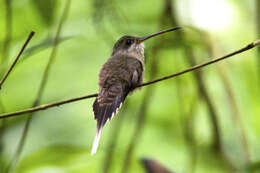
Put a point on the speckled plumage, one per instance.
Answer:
(117, 77)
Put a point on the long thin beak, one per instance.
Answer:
(142, 39)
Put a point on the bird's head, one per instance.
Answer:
(135, 45)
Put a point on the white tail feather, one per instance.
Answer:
(96, 141)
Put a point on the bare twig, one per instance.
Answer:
(214, 60)
(14, 63)
(16, 59)
(41, 89)
(46, 106)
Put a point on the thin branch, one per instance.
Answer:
(214, 60)
(16, 59)
(46, 106)
(41, 89)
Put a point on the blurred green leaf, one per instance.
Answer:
(2, 164)
(48, 42)
(55, 157)
(253, 167)
(46, 9)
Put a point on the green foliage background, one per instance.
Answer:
(177, 130)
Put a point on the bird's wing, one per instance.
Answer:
(117, 78)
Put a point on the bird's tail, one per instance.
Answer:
(96, 141)
(105, 109)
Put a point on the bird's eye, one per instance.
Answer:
(129, 42)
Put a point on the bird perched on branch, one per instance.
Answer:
(122, 72)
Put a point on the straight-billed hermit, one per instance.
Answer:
(122, 72)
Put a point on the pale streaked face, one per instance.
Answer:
(129, 45)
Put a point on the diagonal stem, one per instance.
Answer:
(43, 83)
(16, 59)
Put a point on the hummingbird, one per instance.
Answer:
(118, 77)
